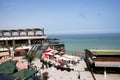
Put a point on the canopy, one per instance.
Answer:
(25, 73)
(64, 58)
(60, 60)
(53, 59)
(57, 56)
(49, 53)
(19, 50)
(48, 50)
(4, 54)
(8, 67)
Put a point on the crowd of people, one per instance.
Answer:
(63, 62)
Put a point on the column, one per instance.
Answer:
(34, 32)
(2, 33)
(13, 42)
(18, 33)
(27, 32)
(43, 31)
(29, 41)
(6, 42)
(11, 33)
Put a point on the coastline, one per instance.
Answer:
(80, 42)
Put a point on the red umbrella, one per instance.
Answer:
(60, 60)
(47, 51)
(53, 59)
(46, 55)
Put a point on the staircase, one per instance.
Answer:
(41, 49)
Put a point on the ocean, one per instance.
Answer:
(80, 42)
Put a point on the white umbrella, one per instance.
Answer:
(57, 56)
(49, 53)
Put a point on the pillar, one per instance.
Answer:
(18, 33)
(11, 33)
(13, 42)
(26, 32)
(2, 33)
(6, 42)
(34, 32)
(43, 31)
(29, 42)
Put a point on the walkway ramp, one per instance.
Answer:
(41, 49)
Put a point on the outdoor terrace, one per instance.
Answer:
(105, 52)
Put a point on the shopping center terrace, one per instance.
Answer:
(21, 36)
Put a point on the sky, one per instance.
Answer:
(61, 16)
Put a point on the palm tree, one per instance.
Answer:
(10, 48)
(30, 57)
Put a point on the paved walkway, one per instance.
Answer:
(55, 74)
(108, 77)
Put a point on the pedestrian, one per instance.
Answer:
(79, 76)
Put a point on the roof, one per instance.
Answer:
(107, 64)
(24, 74)
(105, 52)
(8, 67)
(28, 29)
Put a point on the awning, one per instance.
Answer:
(8, 67)
(4, 54)
(24, 74)
(107, 64)
(19, 50)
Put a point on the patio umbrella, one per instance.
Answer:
(60, 60)
(25, 73)
(8, 67)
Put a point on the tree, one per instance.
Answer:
(30, 56)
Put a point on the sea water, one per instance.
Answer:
(80, 42)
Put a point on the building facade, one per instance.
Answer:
(98, 60)
(22, 36)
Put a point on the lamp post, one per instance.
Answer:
(105, 77)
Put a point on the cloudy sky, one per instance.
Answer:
(61, 16)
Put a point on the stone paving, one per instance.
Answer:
(55, 74)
